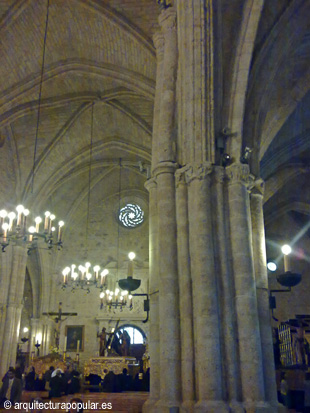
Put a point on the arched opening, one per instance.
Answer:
(130, 341)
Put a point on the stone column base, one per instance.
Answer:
(150, 406)
(167, 406)
(207, 406)
(188, 406)
(236, 407)
(211, 406)
(260, 407)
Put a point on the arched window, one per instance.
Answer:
(136, 335)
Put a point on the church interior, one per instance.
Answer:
(178, 131)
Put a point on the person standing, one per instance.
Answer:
(307, 393)
(284, 390)
(11, 388)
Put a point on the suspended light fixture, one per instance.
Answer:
(13, 226)
(130, 283)
(115, 299)
(13, 229)
(84, 277)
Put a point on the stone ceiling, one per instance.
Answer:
(101, 52)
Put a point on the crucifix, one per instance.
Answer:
(58, 321)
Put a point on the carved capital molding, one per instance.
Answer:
(159, 42)
(258, 187)
(165, 168)
(164, 4)
(168, 20)
(180, 176)
(198, 171)
(218, 174)
(239, 173)
(150, 184)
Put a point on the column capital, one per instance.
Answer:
(150, 184)
(168, 20)
(159, 42)
(198, 171)
(258, 187)
(165, 168)
(218, 174)
(180, 176)
(239, 173)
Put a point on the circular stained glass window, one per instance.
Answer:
(131, 215)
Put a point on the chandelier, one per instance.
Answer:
(115, 299)
(13, 229)
(13, 225)
(84, 277)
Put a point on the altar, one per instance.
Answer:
(97, 365)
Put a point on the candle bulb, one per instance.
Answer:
(96, 269)
(103, 274)
(52, 217)
(38, 221)
(78, 346)
(65, 346)
(20, 210)
(47, 214)
(60, 225)
(26, 213)
(11, 217)
(286, 250)
(31, 231)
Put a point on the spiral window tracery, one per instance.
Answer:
(131, 215)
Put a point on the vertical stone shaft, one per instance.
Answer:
(15, 271)
(166, 130)
(5, 271)
(170, 380)
(250, 354)
(208, 369)
(260, 266)
(17, 314)
(153, 291)
(158, 40)
(226, 288)
(185, 291)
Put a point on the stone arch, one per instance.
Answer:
(241, 70)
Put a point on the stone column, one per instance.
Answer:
(154, 298)
(249, 338)
(46, 261)
(185, 291)
(5, 270)
(158, 40)
(208, 357)
(170, 372)
(228, 324)
(261, 278)
(14, 270)
(166, 130)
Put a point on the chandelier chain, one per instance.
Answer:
(89, 171)
(40, 94)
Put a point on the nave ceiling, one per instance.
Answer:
(102, 52)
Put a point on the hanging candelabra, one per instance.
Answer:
(115, 299)
(84, 277)
(13, 229)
